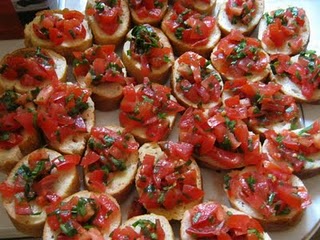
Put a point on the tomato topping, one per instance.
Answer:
(197, 80)
(146, 48)
(284, 27)
(148, 107)
(268, 190)
(241, 11)
(31, 69)
(238, 56)
(71, 217)
(223, 139)
(141, 229)
(148, 8)
(189, 26)
(59, 28)
(304, 72)
(107, 153)
(108, 14)
(260, 104)
(168, 180)
(60, 110)
(100, 65)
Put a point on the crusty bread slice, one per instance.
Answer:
(179, 95)
(67, 47)
(226, 26)
(115, 220)
(68, 183)
(186, 221)
(149, 20)
(99, 36)
(158, 75)
(285, 49)
(203, 6)
(180, 47)
(122, 181)
(177, 212)
(60, 67)
(274, 223)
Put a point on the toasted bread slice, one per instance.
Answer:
(113, 217)
(176, 213)
(212, 88)
(304, 33)
(66, 47)
(121, 181)
(59, 65)
(100, 36)
(145, 220)
(203, 7)
(134, 67)
(67, 184)
(180, 47)
(226, 25)
(186, 222)
(274, 222)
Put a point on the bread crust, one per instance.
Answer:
(177, 212)
(67, 184)
(67, 47)
(246, 29)
(99, 36)
(157, 75)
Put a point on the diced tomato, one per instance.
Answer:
(68, 162)
(89, 158)
(22, 208)
(124, 233)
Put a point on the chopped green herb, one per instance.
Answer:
(68, 229)
(251, 181)
(226, 180)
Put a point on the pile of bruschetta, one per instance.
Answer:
(236, 98)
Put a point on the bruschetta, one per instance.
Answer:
(63, 31)
(26, 69)
(211, 220)
(147, 11)
(221, 139)
(148, 111)
(262, 106)
(110, 161)
(147, 53)
(168, 180)
(284, 31)
(101, 70)
(195, 83)
(41, 179)
(18, 131)
(269, 193)
(147, 226)
(108, 20)
(202, 6)
(243, 15)
(189, 30)
(83, 215)
(237, 56)
(65, 116)
(299, 148)
(298, 75)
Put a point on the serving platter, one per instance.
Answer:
(213, 180)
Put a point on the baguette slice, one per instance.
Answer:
(113, 217)
(303, 32)
(99, 35)
(121, 181)
(203, 7)
(36, 55)
(274, 222)
(134, 67)
(181, 47)
(175, 213)
(226, 25)
(213, 88)
(225, 212)
(67, 184)
(136, 223)
(66, 47)
(148, 16)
